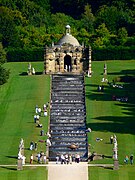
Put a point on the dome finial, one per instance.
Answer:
(67, 29)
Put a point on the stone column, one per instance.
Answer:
(89, 59)
(73, 65)
(61, 59)
(47, 66)
(78, 65)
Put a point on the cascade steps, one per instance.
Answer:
(68, 116)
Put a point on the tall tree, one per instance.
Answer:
(88, 19)
(8, 31)
(4, 74)
(112, 17)
(103, 36)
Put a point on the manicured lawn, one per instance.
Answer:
(27, 173)
(100, 173)
(17, 107)
(106, 117)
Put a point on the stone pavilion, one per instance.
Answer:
(67, 56)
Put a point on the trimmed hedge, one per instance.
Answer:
(37, 54)
(25, 54)
(114, 53)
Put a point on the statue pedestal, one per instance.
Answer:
(19, 164)
(29, 73)
(116, 164)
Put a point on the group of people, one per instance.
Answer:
(127, 159)
(38, 113)
(100, 88)
(33, 145)
(112, 84)
(122, 99)
(41, 157)
(67, 159)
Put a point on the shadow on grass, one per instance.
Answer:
(111, 168)
(9, 168)
(12, 157)
(115, 124)
(26, 74)
(123, 72)
(105, 156)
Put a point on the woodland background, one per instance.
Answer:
(28, 25)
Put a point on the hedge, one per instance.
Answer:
(25, 54)
(114, 53)
(37, 54)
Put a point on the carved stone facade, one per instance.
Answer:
(67, 56)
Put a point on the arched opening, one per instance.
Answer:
(67, 63)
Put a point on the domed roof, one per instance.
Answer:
(68, 38)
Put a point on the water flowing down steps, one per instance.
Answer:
(68, 116)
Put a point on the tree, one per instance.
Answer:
(4, 74)
(114, 17)
(122, 35)
(68, 7)
(88, 19)
(59, 21)
(9, 21)
(103, 36)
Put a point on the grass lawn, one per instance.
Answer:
(17, 108)
(27, 173)
(124, 173)
(105, 117)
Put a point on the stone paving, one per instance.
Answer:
(75, 171)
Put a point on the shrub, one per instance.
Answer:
(113, 53)
(25, 54)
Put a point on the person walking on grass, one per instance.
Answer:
(44, 159)
(31, 159)
(126, 160)
(39, 157)
(111, 139)
(131, 159)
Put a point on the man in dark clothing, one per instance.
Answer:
(131, 159)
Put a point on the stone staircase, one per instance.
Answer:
(68, 116)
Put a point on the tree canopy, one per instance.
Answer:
(29, 23)
(4, 74)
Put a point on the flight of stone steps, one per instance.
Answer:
(68, 116)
